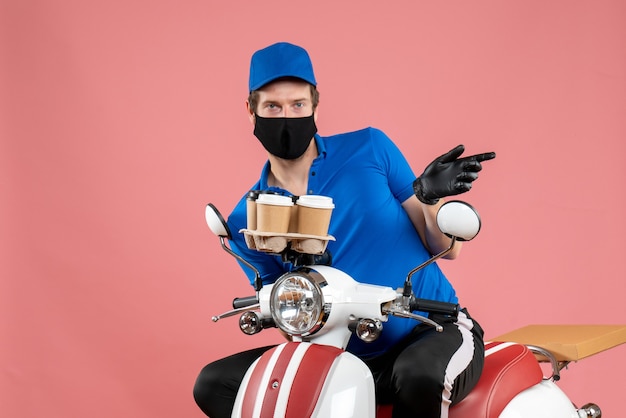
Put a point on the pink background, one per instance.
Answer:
(121, 119)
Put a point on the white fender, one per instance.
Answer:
(348, 391)
(544, 400)
(294, 380)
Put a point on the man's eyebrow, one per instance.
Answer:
(268, 101)
(271, 101)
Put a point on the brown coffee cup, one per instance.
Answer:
(314, 214)
(251, 209)
(273, 213)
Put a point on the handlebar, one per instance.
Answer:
(435, 307)
(244, 302)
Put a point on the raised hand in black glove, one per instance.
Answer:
(449, 175)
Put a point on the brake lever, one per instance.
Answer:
(235, 312)
(410, 315)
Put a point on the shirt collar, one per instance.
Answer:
(321, 151)
(321, 147)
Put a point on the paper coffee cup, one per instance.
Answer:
(314, 213)
(293, 220)
(251, 209)
(273, 213)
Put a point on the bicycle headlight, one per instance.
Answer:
(297, 303)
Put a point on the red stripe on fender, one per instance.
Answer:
(276, 380)
(309, 380)
(253, 384)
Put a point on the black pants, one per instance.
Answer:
(422, 375)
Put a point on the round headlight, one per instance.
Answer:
(297, 304)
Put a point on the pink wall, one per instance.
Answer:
(121, 119)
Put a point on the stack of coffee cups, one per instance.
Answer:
(306, 215)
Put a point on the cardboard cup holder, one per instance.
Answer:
(277, 221)
(249, 238)
(272, 242)
(309, 245)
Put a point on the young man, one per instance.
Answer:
(384, 225)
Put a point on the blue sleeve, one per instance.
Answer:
(399, 173)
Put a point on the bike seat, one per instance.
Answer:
(509, 369)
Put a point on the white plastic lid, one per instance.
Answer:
(274, 199)
(316, 201)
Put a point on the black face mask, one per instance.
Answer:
(285, 138)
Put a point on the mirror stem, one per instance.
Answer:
(408, 284)
(258, 283)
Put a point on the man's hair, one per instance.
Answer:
(253, 98)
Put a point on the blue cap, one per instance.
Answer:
(280, 60)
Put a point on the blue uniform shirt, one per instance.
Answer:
(368, 178)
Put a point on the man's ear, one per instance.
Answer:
(250, 113)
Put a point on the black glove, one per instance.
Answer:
(449, 175)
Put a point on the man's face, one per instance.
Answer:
(284, 99)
